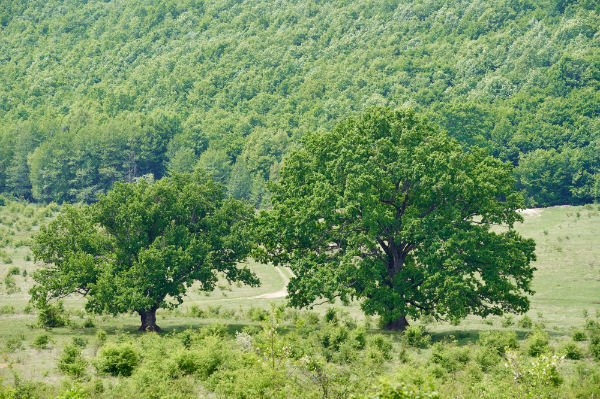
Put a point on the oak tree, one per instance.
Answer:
(387, 210)
(143, 244)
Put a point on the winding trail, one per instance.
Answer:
(269, 295)
(277, 294)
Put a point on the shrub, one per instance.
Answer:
(51, 316)
(508, 321)
(257, 314)
(10, 284)
(330, 316)
(188, 362)
(89, 323)
(244, 341)
(579, 336)
(487, 357)
(498, 340)
(537, 343)
(359, 338)
(592, 328)
(332, 337)
(195, 311)
(6, 258)
(71, 362)
(416, 336)
(571, 351)
(14, 271)
(441, 356)
(525, 322)
(117, 360)
(399, 391)
(14, 343)
(383, 345)
(7, 309)
(41, 341)
(211, 357)
(595, 347)
(80, 342)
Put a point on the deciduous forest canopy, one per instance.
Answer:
(95, 92)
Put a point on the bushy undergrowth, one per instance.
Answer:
(303, 355)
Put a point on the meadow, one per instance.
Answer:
(243, 342)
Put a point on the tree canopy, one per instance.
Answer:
(386, 209)
(142, 245)
(95, 92)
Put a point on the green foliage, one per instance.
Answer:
(51, 315)
(14, 343)
(71, 362)
(400, 390)
(117, 360)
(537, 343)
(41, 341)
(538, 378)
(498, 341)
(571, 351)
(116, 251)
(579, 336)
(376, 201)
(232, 86)
(7, 309)
(525, 322)
(416, 336)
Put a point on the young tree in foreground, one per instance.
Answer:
(143, 244)
(387, 210)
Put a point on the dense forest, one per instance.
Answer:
(95, 92)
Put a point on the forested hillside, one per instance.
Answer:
(99, 91)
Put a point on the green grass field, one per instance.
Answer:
(567, 285)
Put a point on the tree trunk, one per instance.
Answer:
(148, 320)
(399, 324)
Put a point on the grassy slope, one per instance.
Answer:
(567, 283)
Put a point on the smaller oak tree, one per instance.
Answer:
(389, 211)
(141, 246)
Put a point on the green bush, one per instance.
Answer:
(117, 360)
(416, 336)
(525, 322)
(571, 351)
(7, 309)
(188, 362)
(498, 340)
(51, 315)
(383, 345)
(579, 336)
(10, 284)
(41, 341)
(71, 362)
(80, 342)
(487, 357)
(14, 343)
(387, 390)
(89, 323)
(6, 258)
(330, 316)
(508, 321)
(595, 347)
(14, 271)
(257, 314)
(537, 343)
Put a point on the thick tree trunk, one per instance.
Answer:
(396, 325)
(148, 320)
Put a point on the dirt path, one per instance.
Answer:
(278, 294)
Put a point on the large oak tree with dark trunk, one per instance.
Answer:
(387, 210)
(142, 245)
